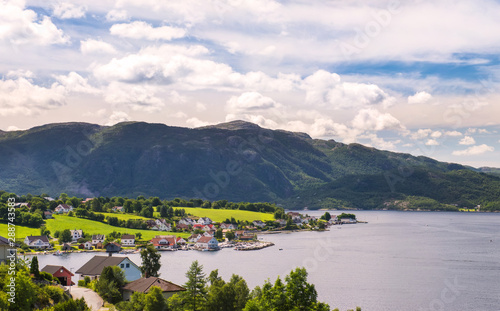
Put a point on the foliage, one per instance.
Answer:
(65, 236)
(195, 295)
(110, 282)
(155, 301)
(34, 267)
(150, 262)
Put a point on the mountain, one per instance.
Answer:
(237, 161)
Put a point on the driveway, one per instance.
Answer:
(93, 300)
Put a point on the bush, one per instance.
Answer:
(81, 283)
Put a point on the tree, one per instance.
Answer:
(163, 211)
(223, 296)
(44, 231)
(155, 301)
(218, 234)
(34, 267)
(150, 262)
(230, 235)
(195, 295)
(147, 212)
(110, 283)
(65, 236)
(138, 235)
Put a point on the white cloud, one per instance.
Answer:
(373, 120)
(474, 150)
(467, 140)
(73, 82)
(436, 134)
(13, 128)
(117, 15)
(117, 117)
(137, 97)
(421, 134)
(142, 30)
(250, 101)
(20, 73)
(195, 122)
(326, 88)
(419, 98)
(179, 115)
(432, 142)
(19, 26)
(91, 46)
(68, 10)
(22, 97)
(200, 107)
(453, 134)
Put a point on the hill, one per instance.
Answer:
(237, 161)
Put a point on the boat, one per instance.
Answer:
(58, 253)
(280, 249)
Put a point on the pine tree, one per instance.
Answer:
(34, 267)
(195, 295)
(150, 262)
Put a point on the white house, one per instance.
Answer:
(128, 240)
(208, 233)
(164, 242)
(186, 221)
(228, 226)
(208, 228)
(97, 238)
(281, 222)
(204, 221)
(259, 224)
(76, 234)
(87, 245)
(194, 238)
(161, 225)
(63, 208)
(180, 241)
(206, 242)
(117, 208)
(39, 241)
(93, 268)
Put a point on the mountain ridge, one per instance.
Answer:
(238, 161)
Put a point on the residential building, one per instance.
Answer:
(204, 221)
(281, 222)
(186, 221)
(63, 209)
(60, 272)
(259, 224)
(180, 241)
(97, 238)
(93, 268)
(159, 224)
(228, 226)
(113, 247)
(128, 240)
(194, 238)
(206, 242)
(182, 227)
(6, 249)
(47, 214)
(38, 241)
(117, 209)
(143, 285)
(76, 234)
(164, 242)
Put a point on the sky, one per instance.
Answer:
(416, 76)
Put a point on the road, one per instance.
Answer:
(93, 300)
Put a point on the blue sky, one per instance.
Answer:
(409, 76)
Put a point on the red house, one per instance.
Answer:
(63, 274)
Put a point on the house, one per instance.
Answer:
(18, 205)
(198, 226)
(246, 237)
(204, 221)
(87, 245)
(186, 221)
(117, 209)
(38, 241)
(348, 221)
(281, 222)
(228, 226)
(128, 240)
(87, 200)
(143, 285)
(60, 272)
(209, 233)
(66, 247)
(113, 247)
(97, 238)
(259, 224)
(159, 224)
(194, 238)
(206, 242)
(93, 267)
(99, 245)
(7, 251)
(208, 228)
(239, 233)
(164, 242)
(47, 214)
(50, 199)
(180, 241)
(63, 208)
(76, 234)
(182, 227)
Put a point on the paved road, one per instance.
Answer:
(93, 300)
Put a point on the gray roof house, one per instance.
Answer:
(93, 268)
(143, 285)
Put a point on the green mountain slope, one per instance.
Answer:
(238, 161)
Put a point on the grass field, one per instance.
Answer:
(61, 222)
(220, 215)
(123, 216)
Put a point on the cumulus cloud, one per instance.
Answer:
(91, 46)
(73, 82)
(421, 134)
(195, 122)
(250, 101)
(467, 140)
(21, 97)
(453, 134)
(373, 120)
(381, 143)
(68, 10)
(474, 150)
(432, 142)
(326, 88)
(143, 30)
(419, 98)
(200, 107)
(117, 15)
(20, 26)
(117, 117)
(137, 97)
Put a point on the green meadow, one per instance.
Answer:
(219, 215)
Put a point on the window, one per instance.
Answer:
(122, 265)
(127, 265)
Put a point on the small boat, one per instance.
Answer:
(280, 249)
(58, 253)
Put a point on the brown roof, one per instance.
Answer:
(53, 269)
(32, 238)
(143, 285)
(128, 236)
(205, 239)
(95, 265)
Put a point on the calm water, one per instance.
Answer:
(398, 261)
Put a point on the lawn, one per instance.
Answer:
(219, 215)
(61, 222)
(123, 216)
